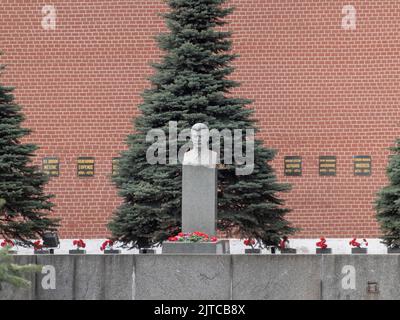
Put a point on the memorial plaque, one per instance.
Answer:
(327, 165)
(85, 167)
(362, 165)
(115, 166)
(51, 166)
(293, 166)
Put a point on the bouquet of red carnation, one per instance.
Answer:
(79, 243)
(7, 243)
(108, 244)
(37, 245)
(355, 243)
(284, 243)
(249, 242)
(322, 243)
(196, 236)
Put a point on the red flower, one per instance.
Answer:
(79, 243)
(37, 245)
(354, 243)
(7, 242)
(284, 242)
(249, 242)
(322, 243)
(105, 244)
(214, 239)
(173, 239)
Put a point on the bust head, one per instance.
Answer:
(200, 136)
(200, 155)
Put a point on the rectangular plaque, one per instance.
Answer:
(115, 166)
(293, 166)
(362, 165)
(51, 166)
(327, 165)
(85, 167)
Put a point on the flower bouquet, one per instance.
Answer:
(8, 245)
(322, 247)
(193, 242)
(80, 245)
(251, 243)
(284, 246)
(359, 247)
(38, 248)
(196, 236)
(108, 247)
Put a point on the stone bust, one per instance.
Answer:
(200, 155)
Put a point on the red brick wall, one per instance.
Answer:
(318, 90)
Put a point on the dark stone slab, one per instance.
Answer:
(77, 251)
(288, 251)
(323, 251)
(169, 247)
(252, 250)
(359, 250)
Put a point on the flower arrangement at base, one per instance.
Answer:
(194, 237)
(8, 245)
(80, 245)
(284, 245)
(322, 246)
(108, 247)
(38, 248)
(358, 247)
(251, 243)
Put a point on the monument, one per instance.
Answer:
(199, 195)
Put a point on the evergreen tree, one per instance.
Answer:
(12, 273)
(388, 202)
(25, 206)
(191, 85)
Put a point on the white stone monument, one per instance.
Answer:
(199, 184)
(199, 195)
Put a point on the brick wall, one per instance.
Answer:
(318, 90)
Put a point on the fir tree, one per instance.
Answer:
(191, 85)
(25, 206)
(12, 273)
(388, 202)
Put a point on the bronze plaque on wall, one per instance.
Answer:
(362, 165)
(51, 166)
(293, 166)
(85, 167)
(115, 166)
(327, 165)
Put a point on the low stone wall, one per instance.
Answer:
(210, 277)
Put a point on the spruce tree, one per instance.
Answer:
(388, 202)
(24, 205)
(12, 273)
(191, 85)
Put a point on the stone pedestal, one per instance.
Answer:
(323, 251)
(194, 247)
(112, 251)
(77, 251)
(199, 199)
(288, 251)
(359, 250)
